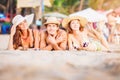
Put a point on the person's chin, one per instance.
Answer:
(51, 33)
(24, 28)
(75, 29)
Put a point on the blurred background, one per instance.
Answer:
(46, 8)
(60, 65)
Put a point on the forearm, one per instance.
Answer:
(10, 45)
(91, 34)
(56, 47)
(31, 44)
(110, 40)
(37, 39)
(36, 45)
(97, 34)
(48, 47)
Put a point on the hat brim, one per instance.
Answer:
(58, 23)
(66, 21)
(28, 18)
(20, 20)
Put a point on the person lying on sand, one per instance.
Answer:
(78, 35)
(21, 36)
(53, 38)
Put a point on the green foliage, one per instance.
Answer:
(70, 6)
(64, 6)
(104, 4)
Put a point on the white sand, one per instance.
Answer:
(4, 39)
(58, 65)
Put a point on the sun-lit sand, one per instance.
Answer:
(58, 65)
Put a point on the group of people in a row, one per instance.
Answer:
(79, 35)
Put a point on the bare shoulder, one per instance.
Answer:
(43, 33)
(86, 31)
(62, 32)
(30, 30)
(35, 31)
(70, 35)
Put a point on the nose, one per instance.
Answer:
(51, 28)
(75, 24)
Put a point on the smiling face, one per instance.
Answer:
(23, 25)
(75, 24)
(52, 28)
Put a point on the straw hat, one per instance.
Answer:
(19, 18)
(66, 21)
(53, 20)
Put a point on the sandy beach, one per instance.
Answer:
(57, 25)
(58, 65)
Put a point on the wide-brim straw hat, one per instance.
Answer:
(19, 18)
(66, 21)
(52, 20)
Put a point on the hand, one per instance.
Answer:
(51, 40)
(90, 26)
(59, 39)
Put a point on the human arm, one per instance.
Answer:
(70, 46)
(43, 45)
(61, 40)
(10, 44)
(53, 42)
(37, 39)
(99, 36)
(62, 45)
(31, 38)
(89, 33)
